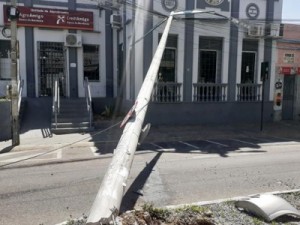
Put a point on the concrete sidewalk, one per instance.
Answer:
(109, 131)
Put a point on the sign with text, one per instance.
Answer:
(52, 18)
(286, 70)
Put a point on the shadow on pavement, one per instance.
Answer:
(134, 191)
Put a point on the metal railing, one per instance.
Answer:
(20, 90)
(166, 92)
(56, 101)
(203, 92)
(248, 92)
(88, 98)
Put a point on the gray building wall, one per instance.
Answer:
(208, 113)
(5, 123)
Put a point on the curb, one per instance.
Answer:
(202, 203)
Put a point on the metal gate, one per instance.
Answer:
(51, 66)
(288, 97)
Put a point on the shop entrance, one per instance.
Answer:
(288, 97)
(51, 67)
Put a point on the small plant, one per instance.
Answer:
(158, 213)
(108, 112)
(192, 209)
(257, 221)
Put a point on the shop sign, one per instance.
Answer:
(286, 70)
(52, 18)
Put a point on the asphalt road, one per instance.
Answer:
(62, 184)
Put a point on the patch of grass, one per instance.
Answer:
(257, 221)
(108, 112)
(192, 209)
(158, 213)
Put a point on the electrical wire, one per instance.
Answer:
(58, 148)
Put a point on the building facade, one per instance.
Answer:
(211, 67)
(288, 76)
(64, 39)
(210, 71)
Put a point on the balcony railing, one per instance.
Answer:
(166, 92)
(248, 92)
(203, 92)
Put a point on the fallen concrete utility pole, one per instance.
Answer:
(108, 200)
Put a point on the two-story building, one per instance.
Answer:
(211, 67)
(209, 73)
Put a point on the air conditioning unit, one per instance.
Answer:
(275, 30)
(116, 21)
(73, 40)
(256, 30)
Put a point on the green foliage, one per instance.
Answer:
(158, 213)
(192, 209)
(108, 112)
(257, 221)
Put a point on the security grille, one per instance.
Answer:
(51, 66)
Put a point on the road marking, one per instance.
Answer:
(16, 153)
(190, 145)
(280, 138)
(95, 151)
(163, 149)
(158, 146)
(280, 143)
(33, 157)
(216, 143)
(245, 142)
(230, 154)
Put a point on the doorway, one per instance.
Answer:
(51, 67)
(288, 97)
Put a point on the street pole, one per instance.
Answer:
(109, 197)
(108, 200)
(14, 78)
(264, 74)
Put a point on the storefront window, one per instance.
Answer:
(5, 62)
(91, 62)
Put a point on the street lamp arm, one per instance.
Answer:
(150, 31)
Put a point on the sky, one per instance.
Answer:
(290, 11)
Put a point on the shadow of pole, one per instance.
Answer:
(131, 196)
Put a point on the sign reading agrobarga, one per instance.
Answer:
(52, 18)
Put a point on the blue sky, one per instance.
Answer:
(290, 11)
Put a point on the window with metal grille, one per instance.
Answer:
(51, 67)
(91, 62)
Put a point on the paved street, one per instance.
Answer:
(167, 170)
